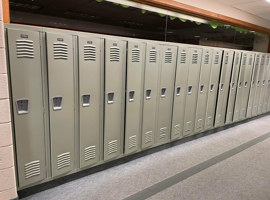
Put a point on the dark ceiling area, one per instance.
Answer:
(108, 18)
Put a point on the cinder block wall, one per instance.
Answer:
(8, 188)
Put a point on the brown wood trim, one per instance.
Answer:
(6, 15)
(198, 12)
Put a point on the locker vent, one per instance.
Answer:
(244, 60)
(148, 137)
(89, 153)
(63, 160)
(237, 60)
(153, 56)
(25, 49)
(194, 58)
(226, 59)
(250, 61)
(60, 50)
(257, 61)
(177, 129)
(162, 133)
(89, 52)
(114, 54)
(206, 59)
(112, 147)
(183, 57)
(216, 59)
(32, 169)
(135, 53)
(132, 141)
(168, 57)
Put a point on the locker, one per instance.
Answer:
(61, 96)
(253, 87)
(28, 106)
(240, 87)
(151, 94)
(115, 61)
(233, 87)
(203, 89)
(134, 95)
(267, 83)
(180, 91)
(91, 79)
(213, 88)
(165, 93)
(263, 87)
(192, 90)
(223, 89)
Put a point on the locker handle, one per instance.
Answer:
(201, 88)
(211, 87)
(86, 100)
(131, 96)
(263, 82)
(221, 86)
(57, 103)
(22, 106)
(258, 84)
(148, 94)
(163, 92)
(246, 84)
(110, 97)
(232, 86)
(240, 85)
(178, 91)
(190, 89)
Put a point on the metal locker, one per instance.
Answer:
(61, 96)
(263, 87)
(233, 87)
(213, 88)
(181, 78)
(28, 106)
(91, 80)
(115, 61)
(253, 87)
(151, 94)
(267, 83)
(165, 93)
(240, 87)
(203, 89)
(223, 89)
(134, 95)
(192, 90)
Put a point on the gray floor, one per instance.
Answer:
(232, 174)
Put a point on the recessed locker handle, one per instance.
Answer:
(110, 96)
(148, 94)
(240, 85)
(246, 84)
(190, 89)
(22, 106)
(178, 90)
(131, 96)
(211, 87)
(232, 85)
(163, 92)
(85, 100)
(201, 88)
(258, 83)
(57, 103)
(221, 86)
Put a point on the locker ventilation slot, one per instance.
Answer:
(168, 57)
(32, 169)
(206, 60)
(148, 137)
(114, 54)
(132, 141)
(177, 129)
(89, 153)
(216, 59)
(250, 61)
(194, 58)
(162, 133)
(25, 49)
(183, 57)
(153, 56)
(60, 50)
(63, 160)
(244, 60)
(112, 147)
(226, 59)
(89, 52)
(135, 53)
(237, 60)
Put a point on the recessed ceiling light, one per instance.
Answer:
(268, 1)
(197, 36)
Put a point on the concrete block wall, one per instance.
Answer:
(8, 188)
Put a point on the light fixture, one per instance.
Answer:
(268, 1)
(197, 36)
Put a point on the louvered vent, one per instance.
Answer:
(162, 133)
(25, 49)
(148, 137)
(216, 59)
(168, 57)
(63, 160)
(132, 141)
(60, 50)
(177, 129)
(206, 59)
(250, 61)
(89, 153)
(135, 53)
(152, 56)
(226, 59)
(112, 147)
(32, 169)
(237, 60)
(114, 54)
(194, 58)
(245, 60)
(89, 52)
(257, 61)
(183, 57)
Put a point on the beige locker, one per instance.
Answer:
(267, 83)
(263, 87)
(134, 95)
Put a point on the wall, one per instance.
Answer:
(7, 173)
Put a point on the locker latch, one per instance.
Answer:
(232, 86)
(57, 103)
(86, 100)
(211, 87)
(190, 89)
(246, 84)
(148, 94)
(22, 106)
(240, 85)
(163, 92)
(221, 86)
(131, 96)
(110, 97)
(201, 88)
(178, 91)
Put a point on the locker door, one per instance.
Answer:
(263, 87)
(192, 91)
(61, 96)
(253, 86)
(240, 88)
(115, 60)
(246, 85)
(28, 108)
(180, 92)
(166, 92)
(134, 95)
(151, 94)
(267, 83)
(203, 89)
(224, 87)
(233, 87)
(213, 88)
(91, 78)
